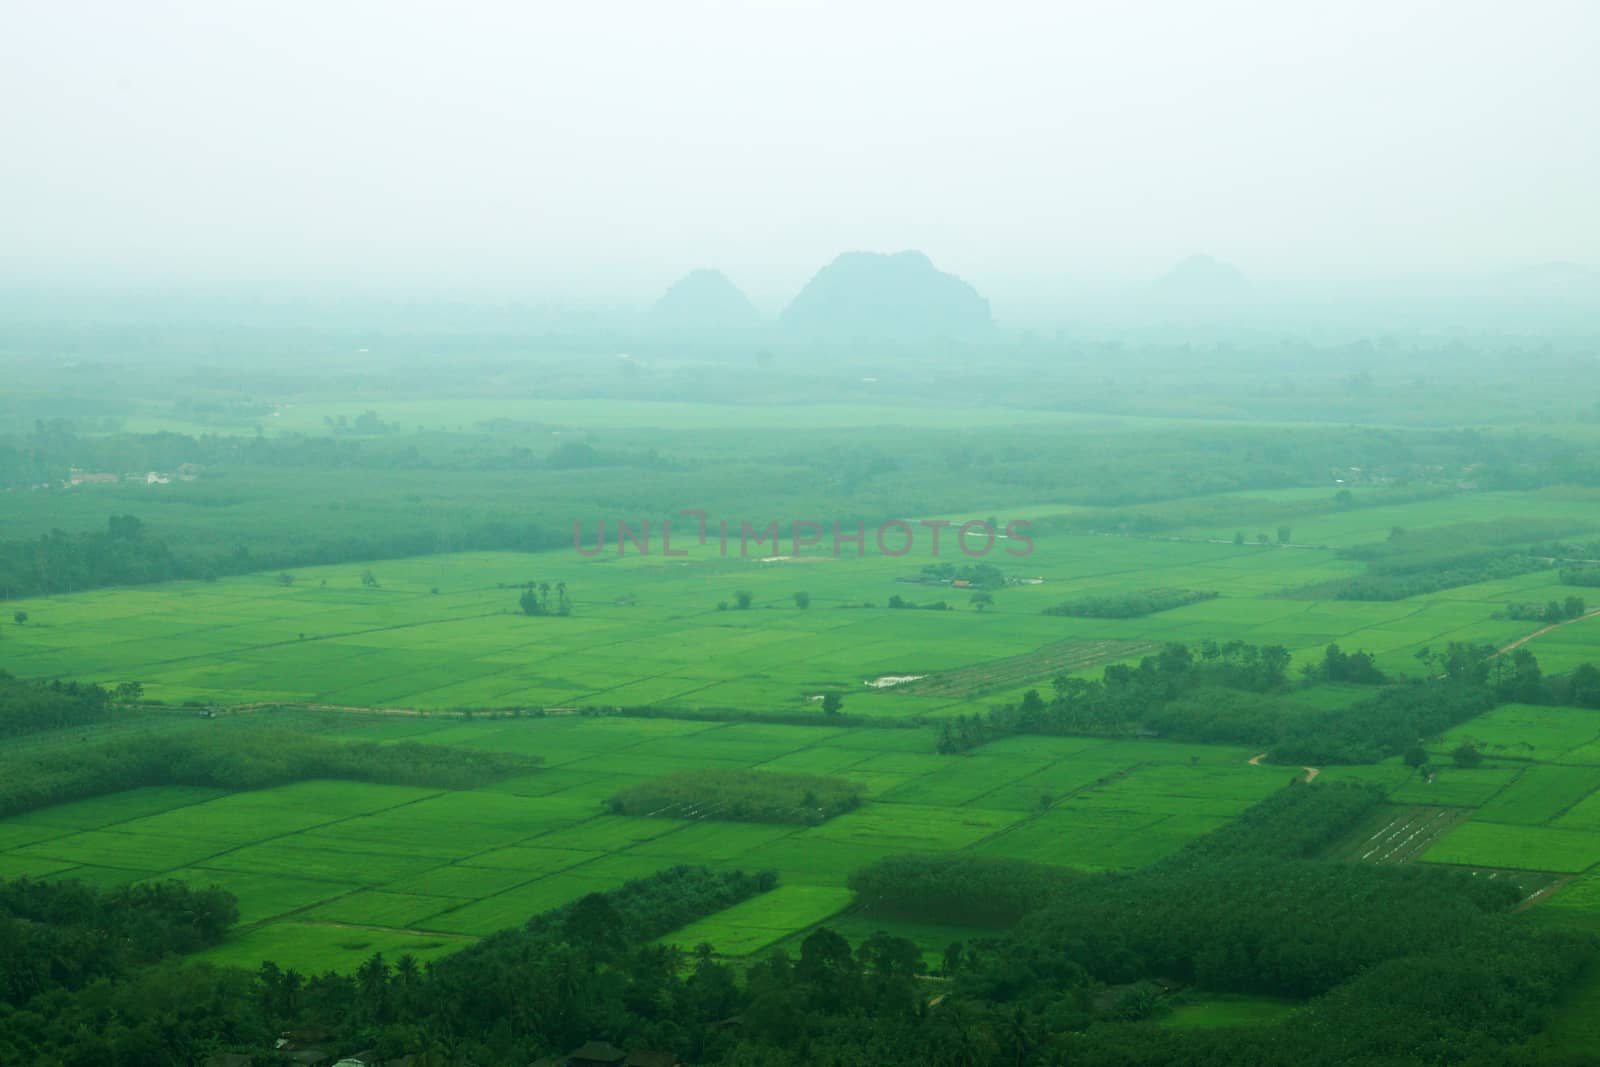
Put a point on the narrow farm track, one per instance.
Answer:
(1311, 772)
(444, 934)
(1519, 642)
(245, 709)
(988, 676)
(1539, 894)
(334, 636)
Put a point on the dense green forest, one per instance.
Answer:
(63, 936)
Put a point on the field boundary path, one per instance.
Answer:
(1311, 772)
(988, 676)
(1519, 642)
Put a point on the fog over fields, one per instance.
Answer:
(710, 533)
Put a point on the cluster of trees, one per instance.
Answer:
(1230, 694)
(240, 759)
(1125, 696)
(1586, 575)
(27, 706)
(1571, 607)
(741, 796)
(59, 562)
(1379, 586)
(1129, 605)
(128, 553)
(1336, 665)
(541, 599)
(1391, 721)
(1465, 680)
(1515, 676)
(978, 575)
(1412, 563)
(586, 970)
(1243, 910)
(65, 935)
(956, 888)
(900, 603)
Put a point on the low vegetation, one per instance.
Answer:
(1129, 605)
(241, 760)
(740, 796)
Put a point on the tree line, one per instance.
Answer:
(1129, 605)
(127, 552)
(1232, 694)
(28, 706)
(740, 795)
(1124, 695)
(240, 760)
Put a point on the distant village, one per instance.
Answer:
(186, 472)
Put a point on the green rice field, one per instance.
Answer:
(444, 632)
(329, 872)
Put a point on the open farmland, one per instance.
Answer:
(329, 872)
(445, 632)
(1063, 658)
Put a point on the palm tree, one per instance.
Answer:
(293, 982)
(407, 975)
(372, 983)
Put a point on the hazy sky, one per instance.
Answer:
(603, 147)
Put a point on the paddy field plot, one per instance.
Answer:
(1528, 848)
(328, 872)
(1219, 1011)
(444, 632)
(763, 920)
(322, 866)
(1532, 732)
(1396, 834)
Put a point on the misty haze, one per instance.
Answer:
(798, 533)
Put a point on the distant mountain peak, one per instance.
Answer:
(705, 298)
(1201, 277)
(900, 294)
